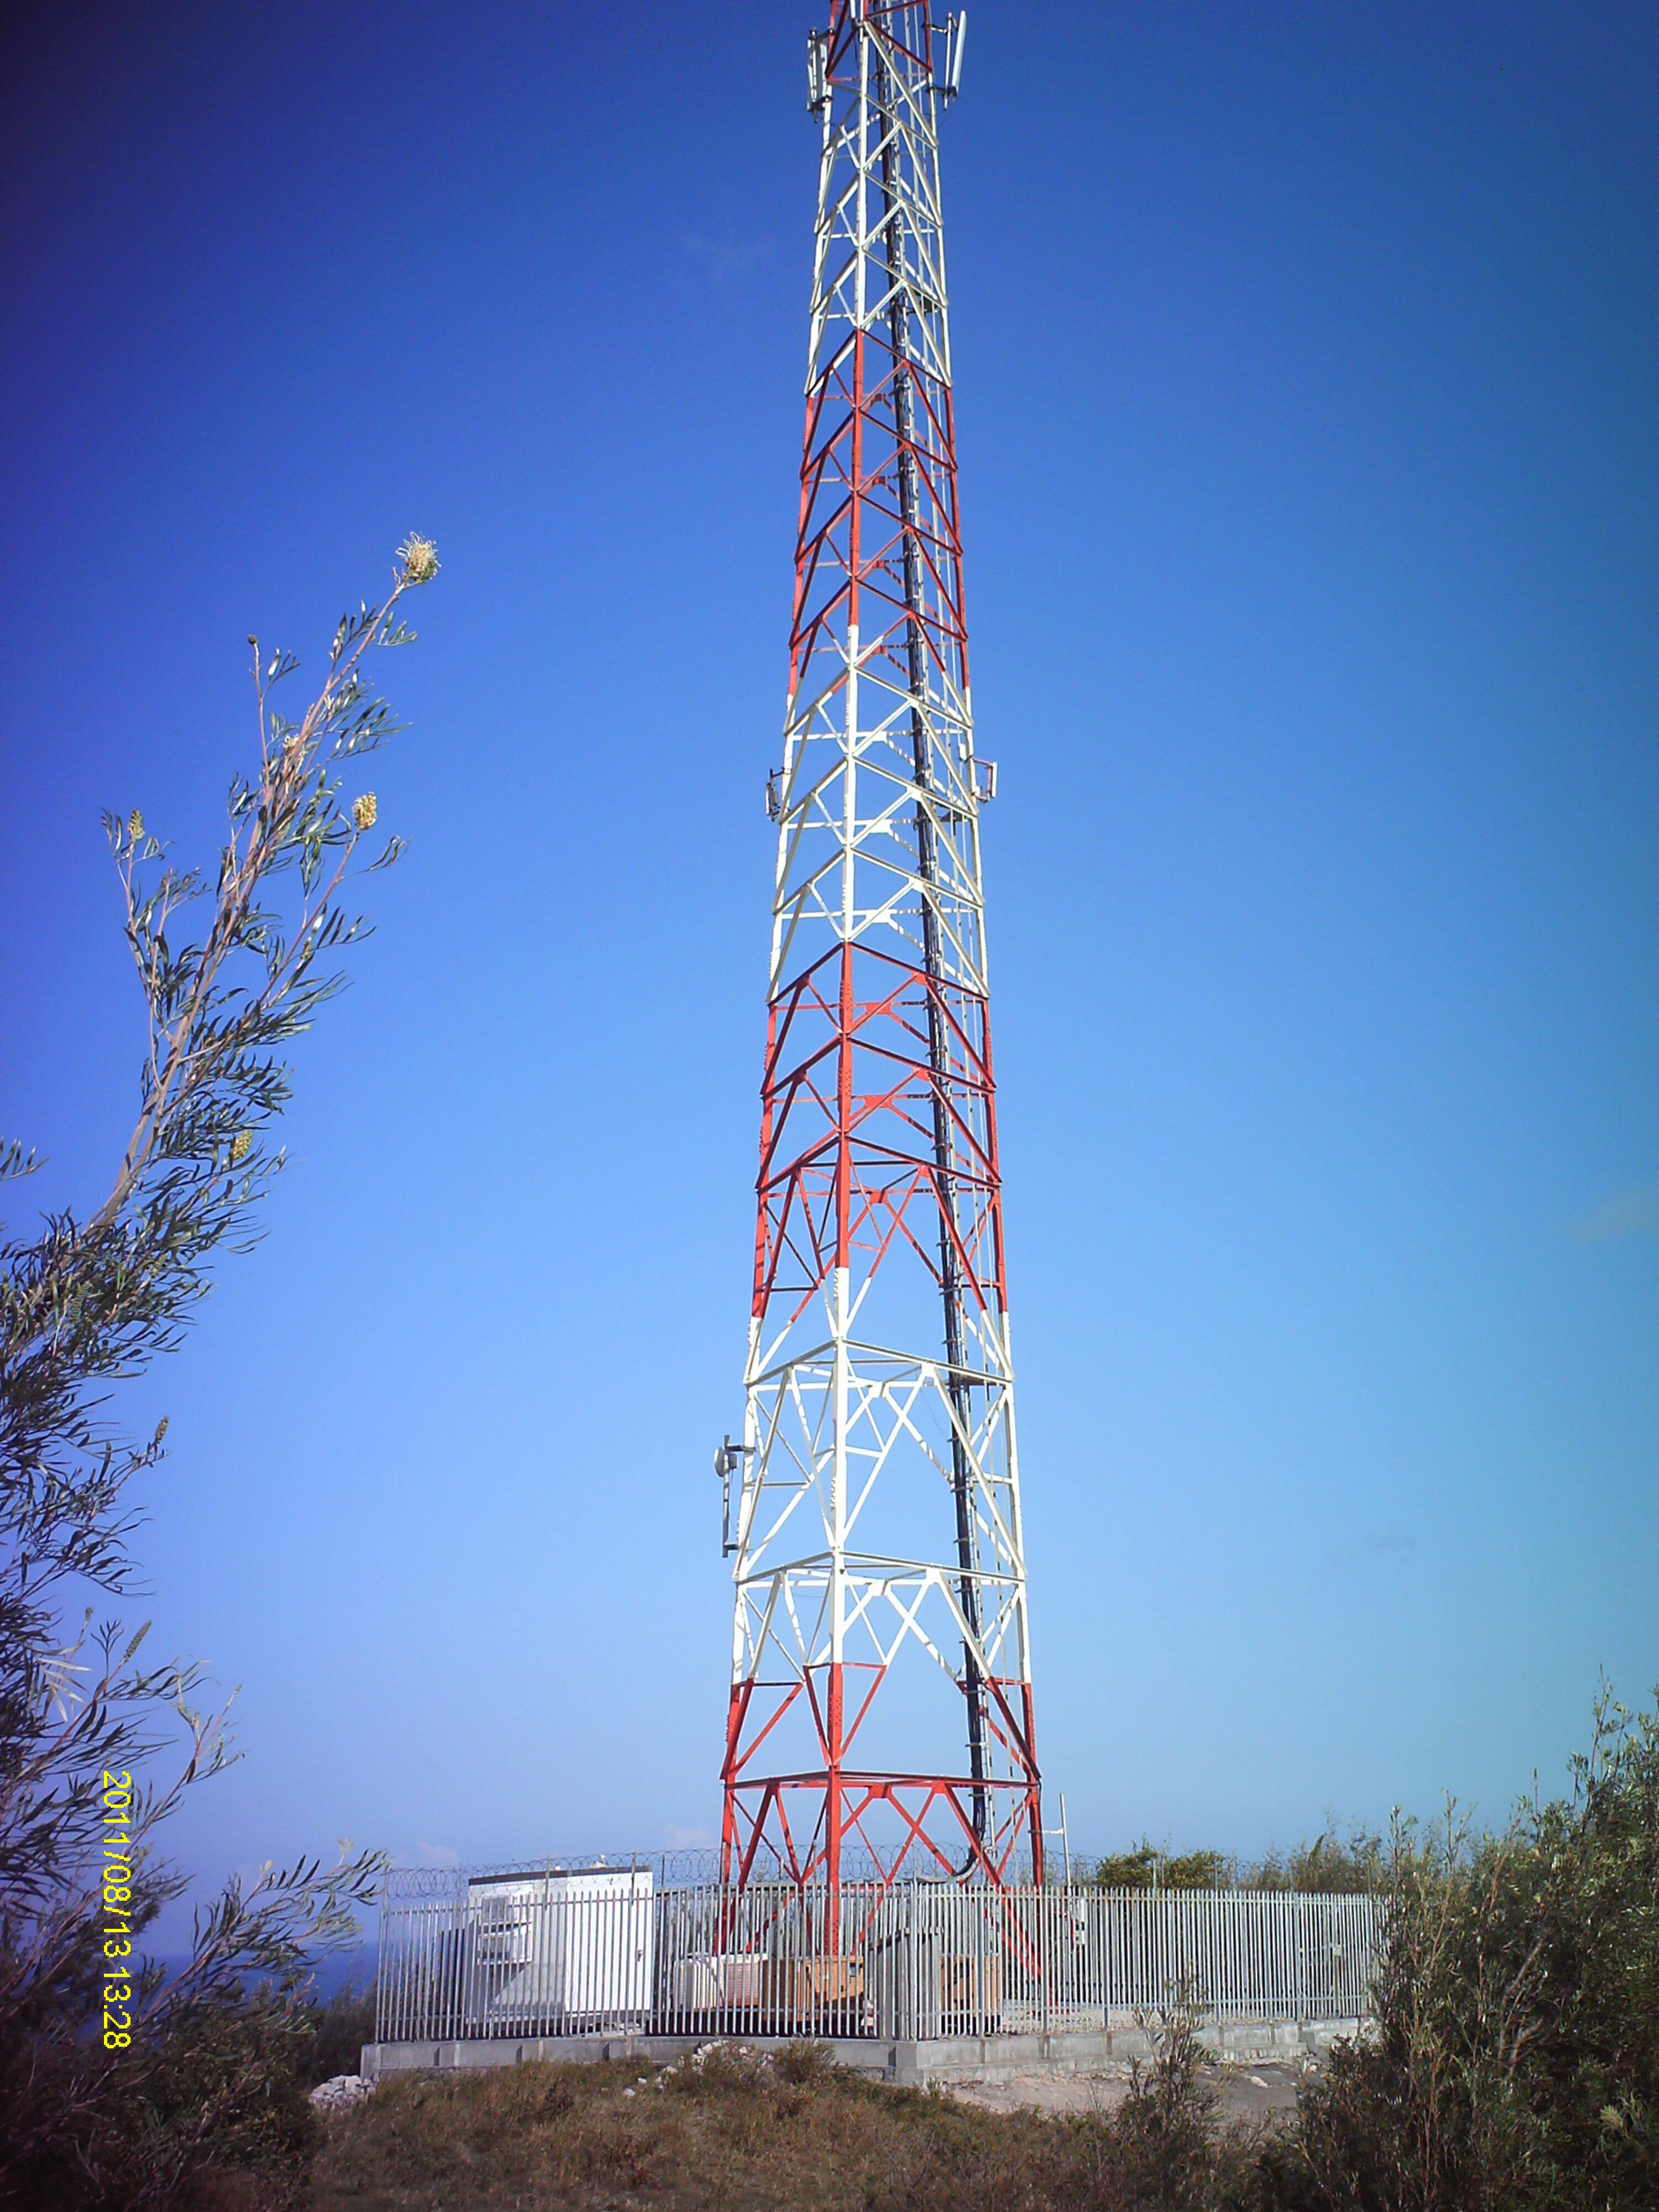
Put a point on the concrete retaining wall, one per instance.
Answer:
(978, 2058)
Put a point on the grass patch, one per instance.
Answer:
(757, 2134)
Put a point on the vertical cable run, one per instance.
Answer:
(958, 1390)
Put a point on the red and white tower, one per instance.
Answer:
(881, 1684)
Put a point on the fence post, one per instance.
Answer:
(1045, 1952)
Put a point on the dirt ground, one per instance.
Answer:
(1246, 2092)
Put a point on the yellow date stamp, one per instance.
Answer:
(117, 1911)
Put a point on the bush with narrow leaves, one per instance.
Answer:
(1515, 2067)
(212, 2071)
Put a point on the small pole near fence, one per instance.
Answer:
(1046, 1950)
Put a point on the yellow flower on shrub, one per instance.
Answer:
(420, 558)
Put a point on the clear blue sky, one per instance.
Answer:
(1307, 370)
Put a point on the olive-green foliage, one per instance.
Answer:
(1328, 1866)
(1144, 1866)
(87, 1302)
(1516, 2062)
(224, 2086)
(1163, 2140)
(339, 2030)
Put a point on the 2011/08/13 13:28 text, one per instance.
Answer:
(117, 1897)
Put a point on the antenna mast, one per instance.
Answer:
(881, 1692)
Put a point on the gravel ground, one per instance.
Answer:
(1248, 2092)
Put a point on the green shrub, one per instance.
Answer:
(1162, 2146)
(339, 2030)
(163, 2126)
(1326, 1868)
(89, 1300)
(1516, 2061)
(1147, 1866)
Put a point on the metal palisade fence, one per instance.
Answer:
(610, 1949)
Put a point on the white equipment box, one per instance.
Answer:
(559, 1949)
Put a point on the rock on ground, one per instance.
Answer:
(340, 2091)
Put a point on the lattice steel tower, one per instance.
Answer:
(881, 1687)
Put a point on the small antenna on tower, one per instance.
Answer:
(818, 71)
(956, 38)
(728, 1460)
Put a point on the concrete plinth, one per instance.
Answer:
(909, 2064)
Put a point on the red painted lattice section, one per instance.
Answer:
(879, 1145)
